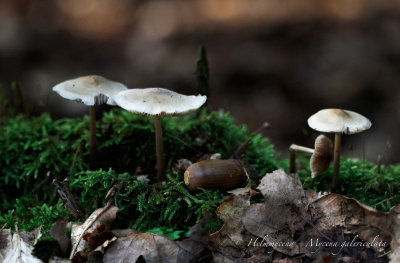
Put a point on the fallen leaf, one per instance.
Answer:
(59, 260)
(233, 243)
(31, 237)
(102, 216)
(335, 210)
(59, 232)
(123, 232)
(70, 203)
(97, 237)
(152, 247)
(244, 191)
(290, 220)
(14, 248)
(283, 215)
(131, 246)
(231, 212)
(97, 254)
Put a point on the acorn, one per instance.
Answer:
(215, 174)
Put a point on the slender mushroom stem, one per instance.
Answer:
(159, 148)
(336, 160)
(92, 131)
(297, 148)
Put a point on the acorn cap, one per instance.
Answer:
(158, 101)
(90, 90)
(322, 156)
(338, 120)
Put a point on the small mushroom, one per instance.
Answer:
(339, 122)
(320, 158)
(90, 90)
(158, 102)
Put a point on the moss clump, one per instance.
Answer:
(125, 143)
(359, 180)
(30, 148)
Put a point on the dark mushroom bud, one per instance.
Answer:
(215, 174)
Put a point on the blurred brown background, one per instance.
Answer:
(270, 60)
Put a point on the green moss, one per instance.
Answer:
(358, 179)
(125, 143)
(30, 148)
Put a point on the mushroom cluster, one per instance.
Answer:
(339, 122)
(158, 102)
(95, 90)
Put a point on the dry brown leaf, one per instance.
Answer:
(241, 191)
(97, 237)
(334, 210)
(70, 203)
(283, 215)
(231, 242)
(59, 232)
(124, 232)
(290, 219)
(132, 245)
(17, 247)
(102, 216)
(231, 212)
(395, 255)
(59, 260)
(152, 247)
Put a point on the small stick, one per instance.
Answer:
(297, 148)
(382, 157)
(71, 205)
(244, 145)
(22, 98)
(92, 131)
(77, 152)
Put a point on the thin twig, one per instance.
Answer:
(244, 145)
(71, 205)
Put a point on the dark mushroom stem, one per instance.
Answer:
(336, 160)
(92, 131)
(297, 148)
(159, 148)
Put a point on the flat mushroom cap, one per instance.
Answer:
(338, 120)
(158, 101)
(90, 90)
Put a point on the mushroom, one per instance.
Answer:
(320, 158)
(158, 102)
(338, 121)
(90, 90)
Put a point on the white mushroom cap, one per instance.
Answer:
(158, 101)
(338, 120)
(90, 90)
